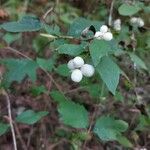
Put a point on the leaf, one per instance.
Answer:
(53, 29)
(108, 129)
(57, 96)
(18, 69)
(128, 10)
(26, 24)
(118, 96)
(140, 63)
(124, 141)
(37, 90)
(109, 72)
(69, 17)
(71, 49)
(10, 38)
(98, 49)
(63, 70)
(3, 128)
(46, 64)
(80, 24)
(94, 90)
(30, 117)
(143, 123)
(39, 43)
(72, 114)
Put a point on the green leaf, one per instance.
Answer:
(94, 90)
(140, 63)
(73, 114)
(124, 141)
(108, 129)
(69, 17)
(30, 117)
(98, 49)
(80, 24)
(71, 49)
(143, 123)
(57, 96)
(118, 96)
(63, 70)
(109, 72)
(37, 90)
(10, 38)
(26, 24)
(46, 64)
(39, 43)
(54, 30)
(18, 69)
(128, 10)
(3, 128)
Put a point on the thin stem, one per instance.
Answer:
(20, 137)
(10, 118)
(110, 14)
(65, 37)
(47, 12)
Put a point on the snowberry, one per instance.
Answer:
(87, 70)
(98, 35)
(140, 22)
(133, 20)
(117, 24)
(137, 21)
(108, 36)
(71, 65)
(78, 62)
(103, 29)
(76, 75)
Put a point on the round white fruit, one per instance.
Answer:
(117, 27)
(133, 20)
(76, 75)
(103, 29)
(87, 70)
(140, 22)
(117, 24)
(98, 35)
(71, 65)
(117, 21)
(108, 36)
(78, 62)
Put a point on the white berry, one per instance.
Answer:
(117, 21)
(103, 29)
(117, 24)
(76, 75)
(133, 20)
(108, 36)
(71, 65)
(78, 62)
(140, 22)
(98, 35)
(87, 70)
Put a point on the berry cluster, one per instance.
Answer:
(104, 34)
(137, 21)
(79, 69)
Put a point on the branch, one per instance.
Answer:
(47, 12)
(10, 118)
(110, 14)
